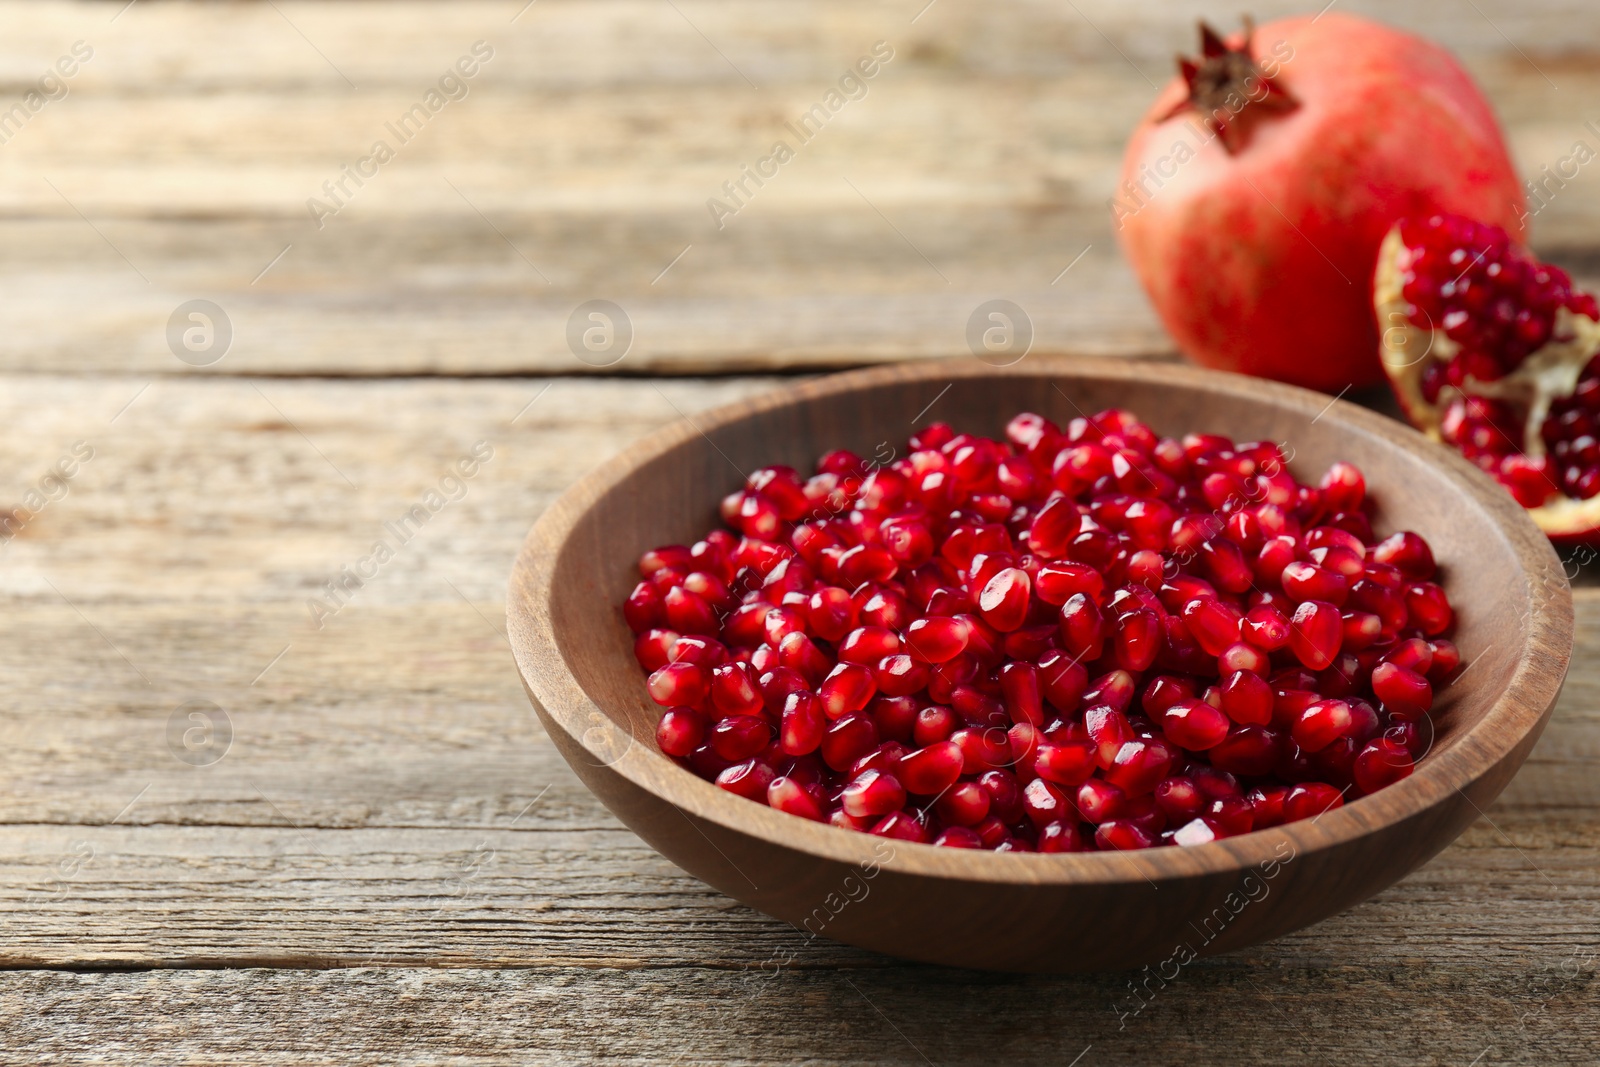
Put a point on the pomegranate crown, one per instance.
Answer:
(1224, 81)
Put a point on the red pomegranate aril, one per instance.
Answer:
(931, 770)
(803, 724)
(1321, 724)
(1309, 800)
(749, 779)
(653, 649)
(958, 837)
(848, 740)
(895, 716)
(680, 731)
(1246, 698)
(734, 690)
(790, 796)
(1248, 750)
(1429, 609)
(1381, 763)
(1194, 725)
(1213, 624)
(935, 722)
(901, 826)
(1045, 802)
(872, 793)
(831, 613)
(935, 639)
(1061, 837)
(1118, 835)
(678, 684)
(1068, 764)
(799, 654)
(1139, 638)
(1021, 692)
(847, 688)
(1083, 627)
(1063, 680)
(1265, 628)
(1405, 693)
(969, 626)
(1179, 798)
(1307, 581)
(982, 748)
(1408, 553)
(740, 737)
(1316, 633)
(1003, 603)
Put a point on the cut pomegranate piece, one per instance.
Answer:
(1495, 353)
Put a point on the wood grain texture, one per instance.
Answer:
(367, 815)
(978, 165)
(396, 737)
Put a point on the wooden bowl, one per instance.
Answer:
(1024, 912)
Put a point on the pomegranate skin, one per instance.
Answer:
(1261, 261)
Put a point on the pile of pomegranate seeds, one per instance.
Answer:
(1074, 639)
(1499, 305)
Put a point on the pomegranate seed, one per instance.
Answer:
(966, 803)
(748, 779)
(1004, 600)
(1061, 837)
(872, 793)
(740, 737)
(935, 639)
(680, 683)
(969, 625)
(1321, 724)
(1122, 835)
(786, 794)
(804, 723)
(932, 770)
(1083, 627)
(1382, 762)
(1308, 800)
(1405, 693)
(680, 731)
(1408, 553)
(1213, 624)
(1194, 725)
(1265, 628)
(1138, 641)
(1067, 764)
(1315, 633)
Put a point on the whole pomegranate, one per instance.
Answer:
(1256, 190)
(1497, 354)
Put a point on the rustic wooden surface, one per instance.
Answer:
(390, 863)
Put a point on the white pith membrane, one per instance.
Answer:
(1549, 372)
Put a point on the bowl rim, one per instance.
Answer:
(1532, 690)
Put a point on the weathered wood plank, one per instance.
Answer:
(580, 163)
(1233, 1011)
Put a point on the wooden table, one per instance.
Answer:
(229, 833)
